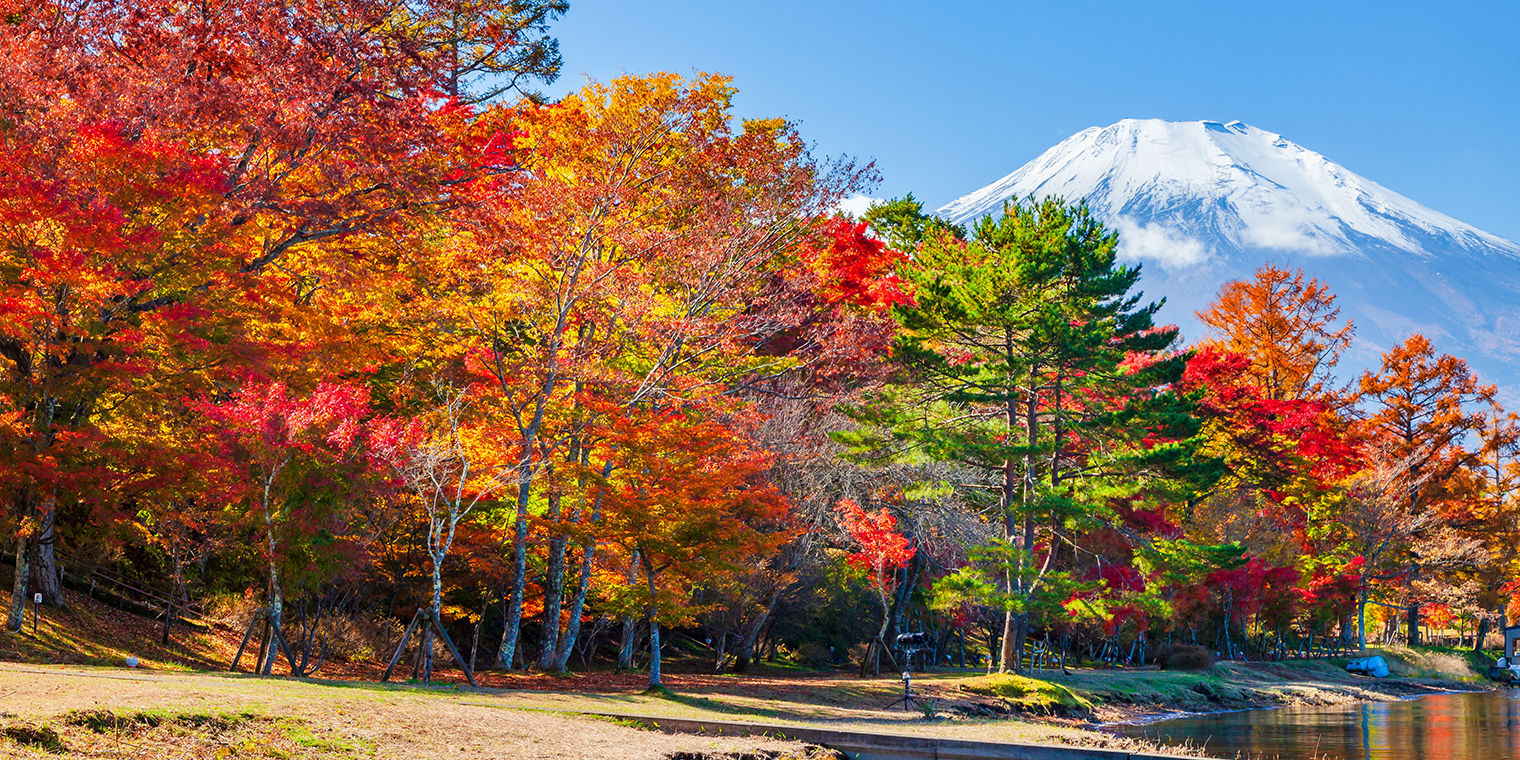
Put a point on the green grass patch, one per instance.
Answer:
(1220, 687)
(303, 736)
(624, 722)
(106, 721)
(1028, 694)
(34, 736)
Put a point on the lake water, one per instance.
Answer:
(1477, 726)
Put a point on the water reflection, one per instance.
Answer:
(1482, 726)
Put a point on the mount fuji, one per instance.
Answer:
(1200, 203)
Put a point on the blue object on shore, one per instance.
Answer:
(1369, 666)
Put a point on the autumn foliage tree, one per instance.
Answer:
(1287, 326)
(1423, 405)
(626, 250)
(685, 498)
(881, 551)
(282, 458)
(169, 175)
(445, 459)
(87, 239)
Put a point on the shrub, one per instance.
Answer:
(1028, 695)
(1184, 657)
(363, 638)
(857, 653)
(810, 653)
(42, 737)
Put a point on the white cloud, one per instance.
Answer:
(1164, 245)
(1288, 227)
(857, 204)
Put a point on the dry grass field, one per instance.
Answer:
(99, 713)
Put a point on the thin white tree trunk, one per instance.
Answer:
(16, 616)
(276, 594)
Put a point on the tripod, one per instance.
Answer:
(908, 701)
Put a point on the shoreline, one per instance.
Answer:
(1382, 690)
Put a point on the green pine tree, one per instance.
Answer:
(1026, 356)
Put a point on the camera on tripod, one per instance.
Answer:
(909, 644)
(912, 641)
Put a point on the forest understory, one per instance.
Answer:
(66, 686)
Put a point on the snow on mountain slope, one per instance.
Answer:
(1201, 203)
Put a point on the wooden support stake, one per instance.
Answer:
(289, 658)
(422, 644)
(264, 643)
(453, 650)
(401, 647)
(246, 636)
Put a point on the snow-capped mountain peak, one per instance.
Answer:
(1210, 185)
(1203, 202)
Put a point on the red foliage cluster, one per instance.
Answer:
(856, 268)
(1293, 433)
(881, 546)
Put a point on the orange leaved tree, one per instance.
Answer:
(1286, 324)
(686, 498)
(625, 248)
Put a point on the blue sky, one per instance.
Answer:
(1423, 98)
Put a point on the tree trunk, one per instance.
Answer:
(1005, 653)
(435, 609)
(45, 561)
(1481, 635)
(554, 591)
(720, 650)
(578, 602)
(177, 583)
(654, 653)
(16, 617)
(625, 651)
(1412, 620)
(507, 656)
(654, 626)
(880, 642)
(1028, 498)
(904, 593)
(276, 611)
(750, 635)
(168, 616)
(485, 606)
(276, 595)
(276, 598)
(1010, 581)
(625, 655)
(1361, 620)
(577, 605)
